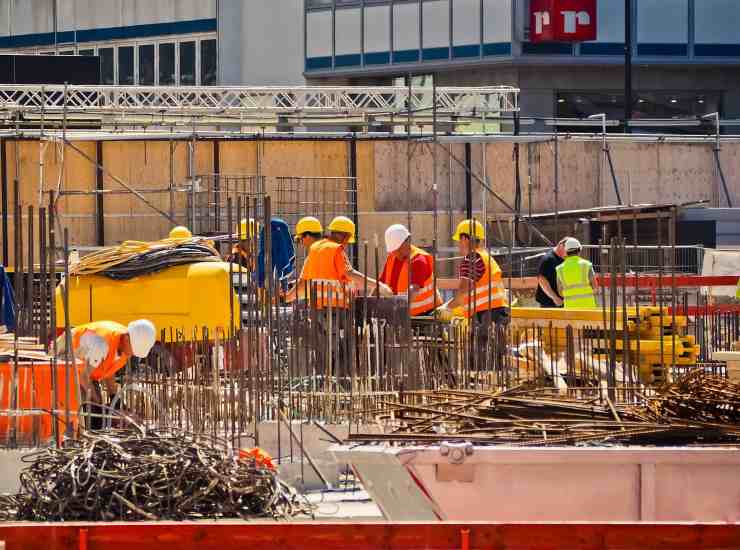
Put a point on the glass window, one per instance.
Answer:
(166, 64)
(146, 65)
(126, 65)
(208, 62)
(87, 52)
(107, 72)
(313, 4)
(67, 52)
(187, 63)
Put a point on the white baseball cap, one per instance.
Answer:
(572, 244)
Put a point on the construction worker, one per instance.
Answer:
(180, 232)
(308, 231)
(481, 290)
(409, 265)
(244, 252)
(328, 267)
(547, 286)
(576, 278)
(106, 347)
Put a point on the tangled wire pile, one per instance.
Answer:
(133, 258)
(123, 475)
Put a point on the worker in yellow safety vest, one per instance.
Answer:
(481, 291)
(409, 270)
(737, 291)
(105, 347)
(330, 272)
(576, 278)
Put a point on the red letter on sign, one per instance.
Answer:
(562, 20)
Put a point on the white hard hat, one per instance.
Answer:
(92, 349)
(572, 244)
(395, 236)
(142, 336)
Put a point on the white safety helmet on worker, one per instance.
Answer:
(93, 349)
(395, 236)
(572, 245)
(142, 336)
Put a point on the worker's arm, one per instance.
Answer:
(296, 292)
(460, 298)
(592, 278)
(359, 280)
(545, 286)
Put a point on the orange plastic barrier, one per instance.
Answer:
(34, 392)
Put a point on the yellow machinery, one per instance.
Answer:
(183, 298)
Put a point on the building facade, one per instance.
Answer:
(140, 42)
(686, 53)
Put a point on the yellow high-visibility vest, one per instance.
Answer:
(573, 279)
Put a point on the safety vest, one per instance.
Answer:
(573, 278)
(489, 290)
(424, 299)
(737, 291)
(111, 332)
(327, 286)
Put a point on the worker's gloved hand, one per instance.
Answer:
(444, 313)
(385, 290)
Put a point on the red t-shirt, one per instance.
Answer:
(420, 272)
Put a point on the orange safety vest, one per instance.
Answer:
(328, 286)
(424, 299)
(489, 290)
(111, 332)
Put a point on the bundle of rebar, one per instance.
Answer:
(698, 409)
(129, 475)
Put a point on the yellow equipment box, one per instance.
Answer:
(183, 298)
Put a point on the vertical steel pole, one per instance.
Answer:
(627, 64)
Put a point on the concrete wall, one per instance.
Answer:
(261, 42)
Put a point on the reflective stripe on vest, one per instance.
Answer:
(573, 277)
(111, 332)
(326, 285)
(423, 299)
(489, 290)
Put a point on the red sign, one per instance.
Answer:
(562, 20)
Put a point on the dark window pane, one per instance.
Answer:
(87, 52)
(187, 63)
(107, 74)
(313, 4)
(166, 64)
(67, 52)
(208, 63)
(126, 66)
(146, 65)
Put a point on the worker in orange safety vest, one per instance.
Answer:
(481, 291)
(106, 347)
(328, 270)
(409, 270)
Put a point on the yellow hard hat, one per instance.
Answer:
(309, 224)
(342, 224)
(247, 228)
(180, 232)
(464, 228)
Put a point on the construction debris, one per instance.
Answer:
(698, 409)
(132, 475)
(23, 347)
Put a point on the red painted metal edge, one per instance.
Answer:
(366, 536)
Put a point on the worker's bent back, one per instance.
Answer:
(326, 271)
(574, 280)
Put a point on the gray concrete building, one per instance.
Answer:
(686, 52)
(140, 42)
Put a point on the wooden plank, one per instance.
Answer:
(366, 536)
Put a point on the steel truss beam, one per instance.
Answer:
(252, 102)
